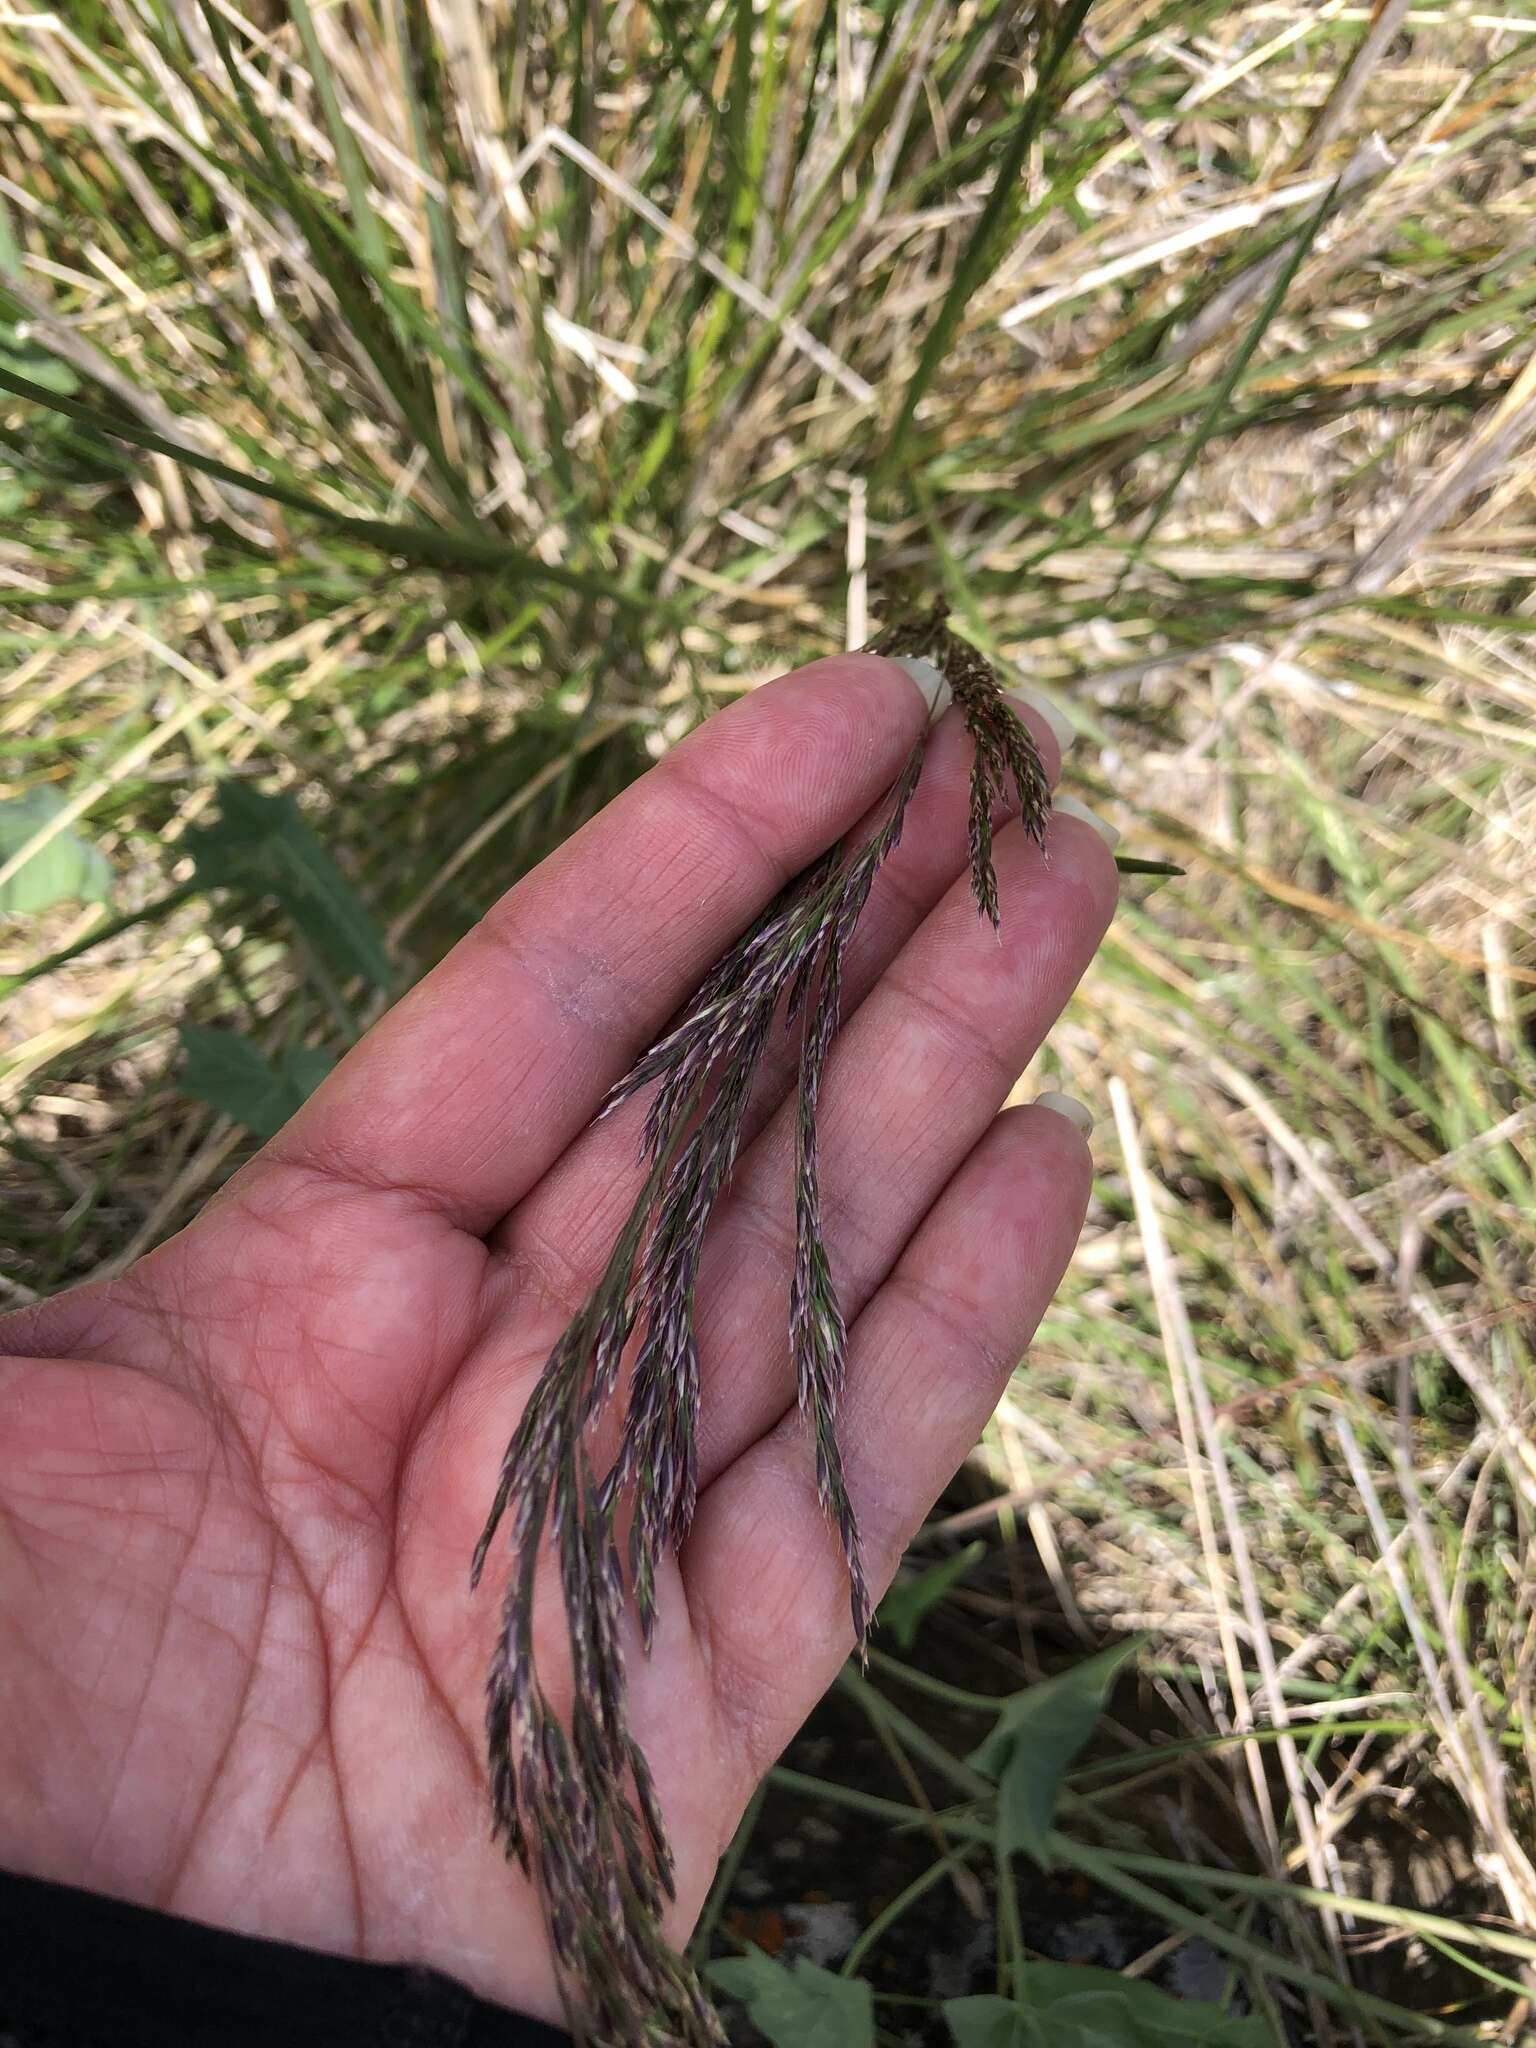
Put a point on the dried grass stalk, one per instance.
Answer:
(573, 1800)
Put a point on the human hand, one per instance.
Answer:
(241, 1674)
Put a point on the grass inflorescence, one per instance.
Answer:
(576, 1806)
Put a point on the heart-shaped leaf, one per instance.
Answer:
(1065, 2005)
(1038, 1733)
(903, 1608)
(260, 844)
(802, 2007)
(990, 2022)
(236, 1078)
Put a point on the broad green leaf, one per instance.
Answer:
(1037, 1735)
(28, 358)
(305, 1067)
(990, 2022)
(236, 1078)
(65, 870)
(260, 844)
(903, 1608)
(1067, 2005)
(799, 2007)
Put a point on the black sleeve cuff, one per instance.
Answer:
(81, 1971)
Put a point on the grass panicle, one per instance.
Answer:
(575, 1805)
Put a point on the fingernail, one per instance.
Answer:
(1069, 807)
(928, 679)
(1041, 705)
(1068, 1106)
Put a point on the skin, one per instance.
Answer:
(240, 1668)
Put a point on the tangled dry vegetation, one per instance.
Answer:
(1185, 350)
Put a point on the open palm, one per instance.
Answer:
(240, 1668)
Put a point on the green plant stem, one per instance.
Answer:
(888, 1916)
(1408, 1918)
(912, 1737)
(99, 934)
(1110, 1870)
(871, 1803)
(725, 1876)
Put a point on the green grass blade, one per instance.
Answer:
(980, 250)
(426, 546)
(349, 158)
(1209, 420)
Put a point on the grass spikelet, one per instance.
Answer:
(1005, 750)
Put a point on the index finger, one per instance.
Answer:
(473, 1085)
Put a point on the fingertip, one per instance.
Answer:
(1050, 1164)
(930, 679)
(1059, 1145)
(893, 694)
(1076, 1113)
(826, 740)
(1048, 1135)
(1048, 727)
(950, 723)
(1070, 806)
(1037, 704)
(1023, 1194)
(1080, 845)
